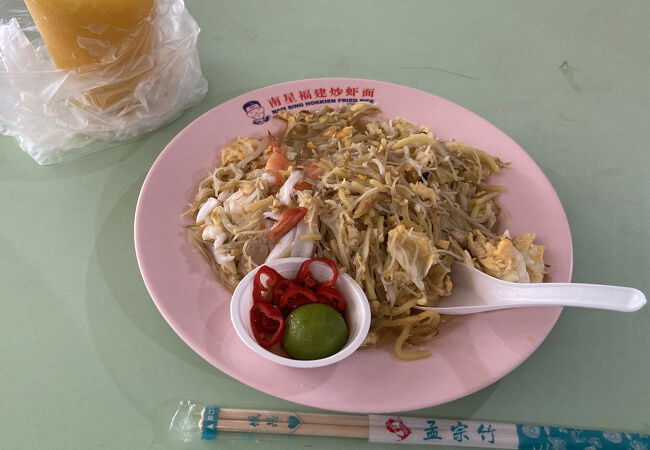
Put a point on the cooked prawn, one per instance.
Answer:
(277, 161)
(313, 171)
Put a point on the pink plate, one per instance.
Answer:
(470, 353)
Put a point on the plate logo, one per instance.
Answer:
(323, 95)
(256, 111)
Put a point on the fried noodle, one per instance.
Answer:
(389, 203)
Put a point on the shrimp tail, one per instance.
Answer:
(275, 145)
(277, 160)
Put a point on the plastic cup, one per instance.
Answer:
(109, 37)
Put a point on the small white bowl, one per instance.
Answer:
(357, 312)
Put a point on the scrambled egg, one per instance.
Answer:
(238, 150)
(423, 191)
(533, 255)
(413, 251)
(511, 259)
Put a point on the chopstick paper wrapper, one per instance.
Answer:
(195, 421)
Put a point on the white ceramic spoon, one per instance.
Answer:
(475, 291)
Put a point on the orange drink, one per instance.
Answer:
(110, 37)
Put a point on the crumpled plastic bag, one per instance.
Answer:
(59, 114)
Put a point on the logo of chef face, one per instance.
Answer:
(256, 112)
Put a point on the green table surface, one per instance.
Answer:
(88, 362)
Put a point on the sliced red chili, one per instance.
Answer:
(296, 294)
(306, 278)
(279, 289)
(329, 295)
(262, 293)
(299, 301)
(267, 324)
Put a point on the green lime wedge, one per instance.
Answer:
(314, 331)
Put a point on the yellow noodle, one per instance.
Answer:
(399, 346)
(268, 201)
(310, 237)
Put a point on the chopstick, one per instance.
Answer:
(281, 422)
(405, 429)
(306, 429)
(312, 418)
